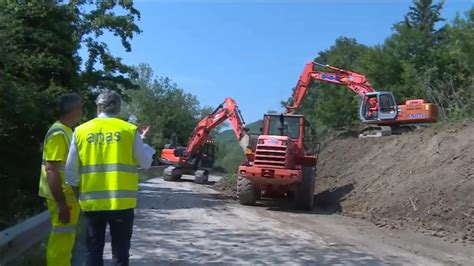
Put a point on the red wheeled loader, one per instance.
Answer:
(283, 162)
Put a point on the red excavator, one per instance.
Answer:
(378, 112)
(198, 156)
(206, 153)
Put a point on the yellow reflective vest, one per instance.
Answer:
(55, 148)
(109, 178)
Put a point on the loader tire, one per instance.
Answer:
(304, 194)
(171, 173)
(246, 191)
(201, 177)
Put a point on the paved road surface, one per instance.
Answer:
(181, 223)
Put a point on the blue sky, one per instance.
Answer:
(253, 51)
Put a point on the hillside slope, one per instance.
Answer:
(422, 180)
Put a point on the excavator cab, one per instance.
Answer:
(377, 107)
(204, 158)
(208, 154)
(283, 125)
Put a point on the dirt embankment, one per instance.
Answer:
(423, 180)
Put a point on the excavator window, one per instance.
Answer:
(371, 107)
(290, 127)
(387, 103)
(378, 106)
(208, 155)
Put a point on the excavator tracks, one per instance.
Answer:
(374, 131)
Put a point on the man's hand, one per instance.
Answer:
(64, 212)
(54, 182)
(144, 132)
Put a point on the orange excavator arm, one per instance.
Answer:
(355, 82)
(226, 110)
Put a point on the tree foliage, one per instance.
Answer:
(39, 60)
(167, 108)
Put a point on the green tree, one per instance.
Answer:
(417, 36)
(450, 80)
(39, 43)
(38, 61)
(407, 53)
(103, 70)
(461, 42)
(426, 59)
(163, 105)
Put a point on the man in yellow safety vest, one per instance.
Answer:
(102, 164)
(60, 198)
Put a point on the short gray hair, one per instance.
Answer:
(67, 103)
(109, 102)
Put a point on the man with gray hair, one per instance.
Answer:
(60, 199)
(102, 165)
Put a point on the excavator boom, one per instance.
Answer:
(355, 82)
(226, 110)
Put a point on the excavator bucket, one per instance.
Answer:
(244, 142)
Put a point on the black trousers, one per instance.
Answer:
(121, 227)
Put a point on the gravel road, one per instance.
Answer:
(181, 223)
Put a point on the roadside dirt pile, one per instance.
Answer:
(423, 180)
(227, 185)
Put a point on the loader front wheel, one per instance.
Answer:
(304, 194)
(246, 191)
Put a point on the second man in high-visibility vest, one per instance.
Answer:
(102, 164)
(60, 199)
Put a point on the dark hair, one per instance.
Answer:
(67, 102)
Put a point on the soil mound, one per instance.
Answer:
(422, 180)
